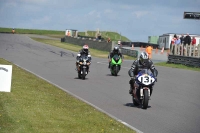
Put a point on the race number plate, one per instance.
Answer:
(146, 79)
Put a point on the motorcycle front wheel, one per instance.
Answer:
(84, 73)
(145, 100)
(116, 70)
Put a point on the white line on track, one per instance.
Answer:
(126, 124)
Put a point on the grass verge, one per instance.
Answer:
(36, 106)
(76, 48)
(180, 66)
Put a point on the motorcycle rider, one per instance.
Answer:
(114, 52)
(84, 50)
(143, 62)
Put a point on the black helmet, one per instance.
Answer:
(116, 49)
(144, 57)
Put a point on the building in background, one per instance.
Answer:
(71, 33)
(153, 39)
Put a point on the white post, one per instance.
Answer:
(190, 50)
(186, 50)
(178, 49)
(198, 50)
(182, 47)
(193, 51)
(175, 49)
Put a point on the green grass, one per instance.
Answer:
(54, 33)
(76, 48)
(33, 31)
(36, 106)
(180, 66)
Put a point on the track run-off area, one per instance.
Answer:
(174, 106)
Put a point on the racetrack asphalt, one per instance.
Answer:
(174, 106)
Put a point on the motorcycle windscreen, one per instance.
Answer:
(116, 60)
(145, 77)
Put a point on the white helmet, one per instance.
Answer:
(85, 49)
(144, 57)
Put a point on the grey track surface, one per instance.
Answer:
(174, 106)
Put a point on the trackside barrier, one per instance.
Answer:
(105, 46)
(187, 55)
(92, 43)
(130, 52)
(185, 60)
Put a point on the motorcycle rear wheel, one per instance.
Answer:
(135, 102)
(79, 75)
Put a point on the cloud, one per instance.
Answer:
(128, 7)
(41, 21)
(91, 13)
(94, 14)
(140, 14)
(33, 1)
(108, 11)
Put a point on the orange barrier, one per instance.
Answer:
(162, 51)
(156, 51)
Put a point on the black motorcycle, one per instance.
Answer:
(83, 66)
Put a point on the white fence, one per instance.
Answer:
(187, 50)
(187, 55)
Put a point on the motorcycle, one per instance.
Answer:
(115, 65)
(143, 88)
(83, 66)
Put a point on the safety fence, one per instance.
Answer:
(92, 43)
(186, 55)
(130, 52)
(187, 50)
(185, 60)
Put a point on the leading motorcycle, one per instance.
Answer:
(144, 82)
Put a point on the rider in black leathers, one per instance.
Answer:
(113, 52)
(143, 62)
(84, 50)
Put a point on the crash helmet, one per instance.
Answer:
(116, 49)
(144, 58)
(85, 49)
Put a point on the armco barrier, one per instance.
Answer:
(105, 46)
(185, 60)
(133, 53)
(100, 45)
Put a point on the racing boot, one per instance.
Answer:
(131, 90)
(131, 82)
(109, 65)
(77, 67)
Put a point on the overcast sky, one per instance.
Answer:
(134, 19)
